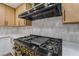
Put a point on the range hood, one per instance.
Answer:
(42, 11)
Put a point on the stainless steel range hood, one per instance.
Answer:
(42, 11)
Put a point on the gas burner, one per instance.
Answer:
(52, 46)
(49, 47)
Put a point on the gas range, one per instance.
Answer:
(35, 45)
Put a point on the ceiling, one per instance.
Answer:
(14, 5)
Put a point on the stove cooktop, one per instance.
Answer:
(47, 45)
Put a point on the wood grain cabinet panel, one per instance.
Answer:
(19, 10)
(2, 15)
(70, 12)
(10, 16)
(28, 22)
(7, 15)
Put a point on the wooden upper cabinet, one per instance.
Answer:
(19, 10)
(7, 15)
(10, 16)
(2, 15)
(28, 22)
(28, 6)
(19, 21)
(70, 12)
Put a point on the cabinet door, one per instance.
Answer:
(10, 16)
(2, 15)
(28, 6)
(28, 22)
(17, 19)
(70, 12)
(20, 9)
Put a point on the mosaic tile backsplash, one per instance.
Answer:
(52, 27)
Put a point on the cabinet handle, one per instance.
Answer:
(6, 23)
(24, 22)
(19, 23)
(64, 15)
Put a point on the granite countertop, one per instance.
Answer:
(13, 35)
(68, 48)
